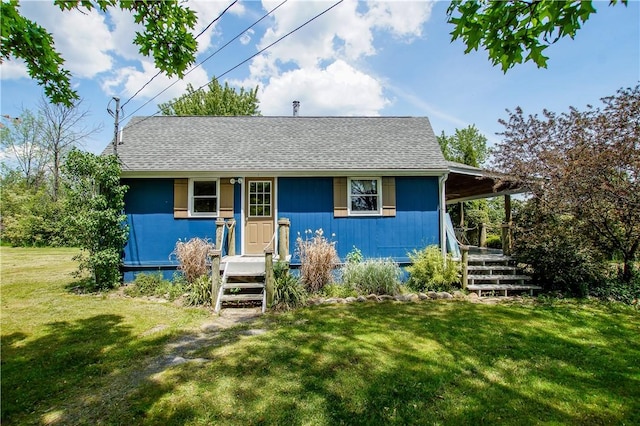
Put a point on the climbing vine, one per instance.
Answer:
(96, 203)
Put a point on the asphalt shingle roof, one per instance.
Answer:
(279, 144)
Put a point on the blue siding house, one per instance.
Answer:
(376, 183)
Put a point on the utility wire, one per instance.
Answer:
(249, 58)
(219, 16)
(196, 37)
(208, 57)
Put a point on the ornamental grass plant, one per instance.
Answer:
(192, 256)
(377, 276)
(318, 258)
(288, 292)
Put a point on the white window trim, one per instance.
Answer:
(194, 214)
(368, 213)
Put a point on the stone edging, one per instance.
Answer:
(409, 297)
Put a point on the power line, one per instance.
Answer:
(220, 16)
(207, 58)
(248, 59)
(196, 37)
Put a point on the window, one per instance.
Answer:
(203, 197)
(260, 198)
(364, 196)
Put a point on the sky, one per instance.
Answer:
(364, 58)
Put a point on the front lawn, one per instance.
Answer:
(435, 362)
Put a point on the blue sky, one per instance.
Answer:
(360, 58)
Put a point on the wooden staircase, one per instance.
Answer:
(496, 273)
(242, 282)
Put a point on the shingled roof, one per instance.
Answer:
(279, 145)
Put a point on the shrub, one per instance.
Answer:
(318, 257)
(379, 276)
(494, 241)
(339, 290)
(354, 256)
(288, 292)
(32, 218)
(615, 288)
(560, 258)
(429, 272)
(154, 285)
(192, 256)
(199, 291)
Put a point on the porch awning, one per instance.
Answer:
(467, 183)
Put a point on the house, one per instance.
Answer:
(375, 183)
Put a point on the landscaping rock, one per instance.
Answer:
(444, 295)
(432, 295)
(373, 297)
(331, 301)
(458, 295)
(350, 299)
(411, 297)
(472, 296)
(361, 299)
(422, 296)
(385, 297)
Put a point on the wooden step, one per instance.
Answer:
(489, 259)
(491, 268)
(245, 274)
(498, 279)
(244, 269)
(505, 288)
(243, 285)
(241, 297)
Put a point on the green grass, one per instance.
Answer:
(59, 347)
(437, 362)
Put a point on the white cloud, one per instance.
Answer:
(246, 37)
(82, 38)
(13, 69)
(343, 37)
(337, 90)
(401, 18)
(123, 33)
(127, 81)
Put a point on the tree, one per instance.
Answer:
(510, 29)
(584, 165)
(467, 146)
(39, 142)
(95, 205)
(22, 141)
(166, 36)
(29, 215)
(63, 127)
(217, 100)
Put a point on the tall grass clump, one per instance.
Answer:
(288, 292)
(199, 291)
(192, 256)
(379, 276)
(318, 257)
(429, 272)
